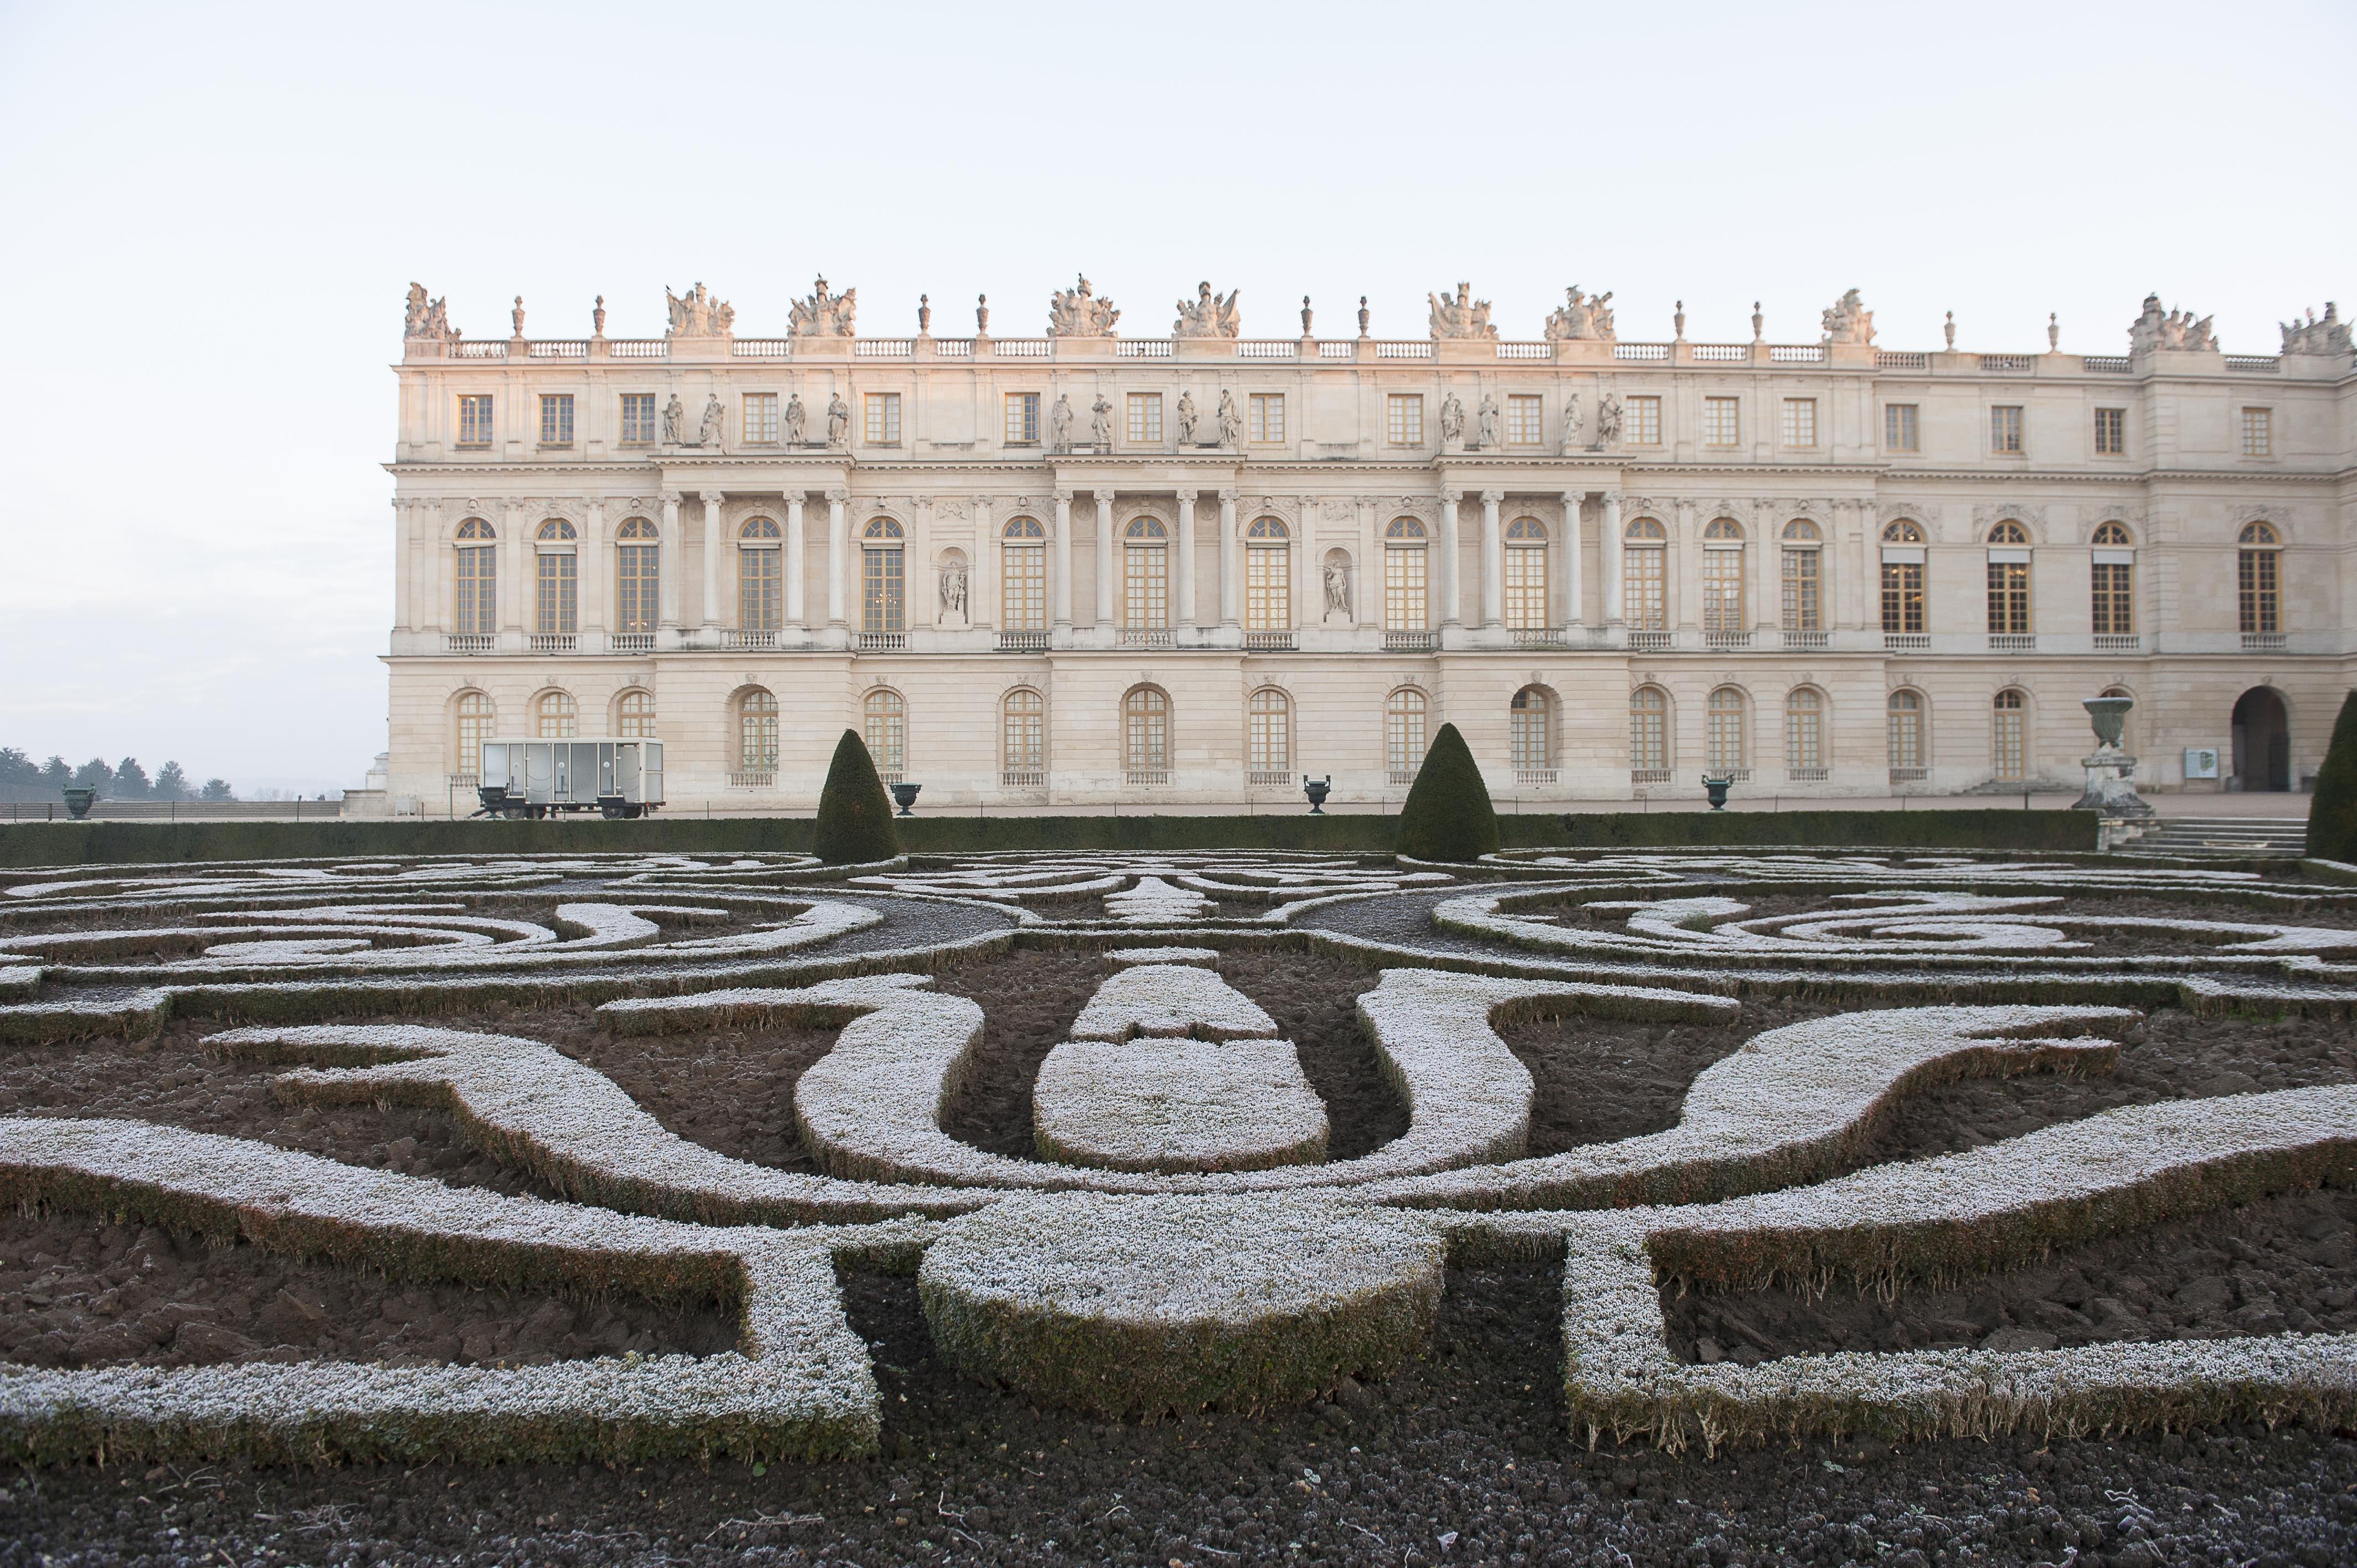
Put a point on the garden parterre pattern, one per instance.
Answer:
(1174, 1111)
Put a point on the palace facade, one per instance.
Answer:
(1090, 568)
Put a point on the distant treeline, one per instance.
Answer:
(124, 780)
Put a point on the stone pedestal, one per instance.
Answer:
(2111, 786)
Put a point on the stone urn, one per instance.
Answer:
(2110, 771)
(1316, 789)
(78, 801)
(904, 797)
(2111, 719)
(1717, 789)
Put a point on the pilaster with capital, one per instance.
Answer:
(1573, 610)
(1679, 588)
(838, 552)
(1866, 603)
(1367, 574)
(402, 528)
(1493, 562)
(1756, 564)
(1106, 571)
(595, 567)
(1064, 558)
(982, 602)
(514, 594)
(710, 500)
(1451, 612)
(1610, 546)
(1229, 574)
(1187, 558)
(796, 608)
(675, 559)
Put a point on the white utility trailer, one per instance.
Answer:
(614, 776)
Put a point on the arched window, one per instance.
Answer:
(2258, 580)
(1902, 580)
(556, 585)
(757, 738)
(1530, 737)
(1805, 734)
(1902, 532)
(1722, 579)
(1725, 734)
(1269, 736)
(1904, 735)
(475, 604)
(2008, 739)
(1644, 553)
(1268, 576)
(883, 597)
(1403, 597)
(1023, 576)
(634, 715)
(2111, 583)
(1146, 735)
(1649, 735)
(884, 721)
(638, 557)
(760, 593)
(1145, 575)
(2008, 534)
(1022, 727)
(1404, 744)
(1526, 574)
(556, 716)
(1804, 577)
(476, 717)
(2115, 535)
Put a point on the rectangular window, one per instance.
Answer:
(1723, 735)
(1526, 420)
(1022, 419)
(760, 419)
(637, 579)
(1649, 733)
(2114, 603)
(556, 596)
(1722, 591)
(2006, 742)
(1642, 422)
(1800, 422)
(1804, 734)
(2005, 427)
(2258, 432)
(2008, 597)
(1899, 431)
(883, 419)
(1903, 597)
(1643, 605)
(637, 418)
(1903, 734)
(1406, 423)
(1267, 416)
(1270, 752)
(478, 600)
(556, 419)
(758, 594)
(1146, 587)
(1146, 418)
(1023, 588)
(1722, 421)
(1268, 588)
(2111, 432)
(2256, 580)
(475, 419)
(882, 606)
(1527, 588)
(1803, 592)
(1404, 602)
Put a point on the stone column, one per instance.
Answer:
(403, 512)
(1868, 597)
(796, 612)
(672, 561)
(1063, 567)
(1452, 614)
(1105, 572)
(1228, 584)
(1493, 562)
(1573, 611)
(710, 500)
(1186, 558)
(839, 552)
(1609, 546)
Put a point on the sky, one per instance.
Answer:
(213, 212)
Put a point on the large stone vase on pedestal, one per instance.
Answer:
(2110, 771)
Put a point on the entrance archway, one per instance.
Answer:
(2262, 741)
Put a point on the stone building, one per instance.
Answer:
(1084, 568)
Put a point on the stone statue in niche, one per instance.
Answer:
(2177, 330)
(1572, 420)
(1231, 424)
(1338, 586)
(1187, 417)
(1208, 315)
(2329, 336)
(954, 589)
(426, 319)
(838, 419)
(1076, 312)
(796, 417)
(1607, 419)
(1846, 320)
(1581, 316)
(696, 314)
(820, 314)
(708, 429)
(1100, 423)
(1485, 422)
(1059, 424)
(674, 417)
(1452, 420)
(1462, 317)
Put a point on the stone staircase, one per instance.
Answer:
(2237, 838)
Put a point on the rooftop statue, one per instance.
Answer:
(2329, 336)
(823, 315)
(426, 317)
(1208, 315)
(1581, 316)
(1076, 312)
(698, 314)
(1846, 320)
(2178, 330)
(1463, 316)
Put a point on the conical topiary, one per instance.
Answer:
(854, 815)
(1447, 815)
(2332, 815)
